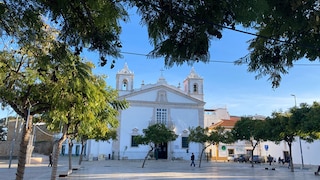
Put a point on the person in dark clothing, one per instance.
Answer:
(269, 159)
(50, 160)
(192, 161)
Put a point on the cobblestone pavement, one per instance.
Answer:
(160, 169)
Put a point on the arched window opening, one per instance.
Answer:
(195, 88)
(125, 85)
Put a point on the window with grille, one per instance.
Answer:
(161, 116)
(185, 143)
(133, 142)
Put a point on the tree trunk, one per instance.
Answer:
(202, 154)
(57, 148)
(144, 161)
(252, 157)
(70, 153)
(83, 143)
(253, 148)
(290, 153)
(26, 132)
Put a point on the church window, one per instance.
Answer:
(161, 116)
(133, 142)
(185, 143)
(195, 88)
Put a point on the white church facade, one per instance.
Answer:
(177, 108)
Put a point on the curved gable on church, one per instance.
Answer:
(162, 93)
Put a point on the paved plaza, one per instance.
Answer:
(160, 169)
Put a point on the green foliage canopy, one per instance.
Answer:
(156, 134)
(82, 24)
(210, 136)
(248, 129)
(308, 117)
(153, 135)
(180, 31)
(287, 31)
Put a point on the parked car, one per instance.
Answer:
(230, 158)
(257, 159)
(241, 158)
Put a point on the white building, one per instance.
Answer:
(155, 103)
(179, 109)
(215, 115)
(306, 152)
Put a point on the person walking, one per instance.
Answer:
(192, 160)
(50, 160)
(269, 159)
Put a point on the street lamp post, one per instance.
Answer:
(295, 105)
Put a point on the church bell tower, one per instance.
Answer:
(124, 79)
(193, 85)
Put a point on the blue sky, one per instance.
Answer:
(225, 84)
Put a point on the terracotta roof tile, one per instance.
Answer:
(226, 123)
